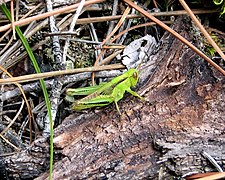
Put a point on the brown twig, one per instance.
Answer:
(14, 119)
(213, 177)
(131, 16)
(33, 77)
(9, 143)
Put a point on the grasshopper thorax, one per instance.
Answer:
(133, 74)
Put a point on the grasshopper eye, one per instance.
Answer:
(135, 75)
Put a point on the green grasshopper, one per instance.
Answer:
(105, 93)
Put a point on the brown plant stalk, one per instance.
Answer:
(38, 76)
(30, 114)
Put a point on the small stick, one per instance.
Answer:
(38, 76)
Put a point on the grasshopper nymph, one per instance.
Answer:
(106, 93)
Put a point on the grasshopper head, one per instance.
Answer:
(133, 74)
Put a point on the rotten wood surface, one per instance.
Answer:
(159, 138)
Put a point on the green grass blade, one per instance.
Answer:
(44, 89)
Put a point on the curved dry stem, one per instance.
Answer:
(30, 114)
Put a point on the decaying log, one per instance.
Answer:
(162, 137)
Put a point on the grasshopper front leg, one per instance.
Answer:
(134, 93)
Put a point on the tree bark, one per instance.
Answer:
(162, 137)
